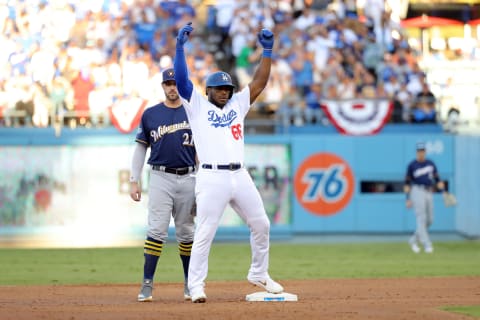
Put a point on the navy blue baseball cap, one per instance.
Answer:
(168, 75)
(421, 146)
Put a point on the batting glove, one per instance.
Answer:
(184, 33)
(266, 39)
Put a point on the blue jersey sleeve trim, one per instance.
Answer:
(184, 85)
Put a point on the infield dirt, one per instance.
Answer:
(419, 298)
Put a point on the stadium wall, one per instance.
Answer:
(467, 174)
(72, 189)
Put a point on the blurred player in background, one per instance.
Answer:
(217, 122)
(420, 182)
(165, 129)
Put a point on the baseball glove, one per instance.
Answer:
(449, 199)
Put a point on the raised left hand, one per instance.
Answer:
(184, 33)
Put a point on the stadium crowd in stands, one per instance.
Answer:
(67, 62)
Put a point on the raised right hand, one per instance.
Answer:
(184, 33)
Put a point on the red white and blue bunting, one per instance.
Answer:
(126, 113)
(358, 116)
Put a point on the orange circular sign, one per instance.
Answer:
(324, 184)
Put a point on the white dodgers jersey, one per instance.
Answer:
(218, 133)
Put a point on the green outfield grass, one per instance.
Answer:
(473, 311)
(231, 262)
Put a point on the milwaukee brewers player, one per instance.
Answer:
(165, 129)
(420, 181)
(217, 124)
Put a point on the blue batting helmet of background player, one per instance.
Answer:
(220, 79)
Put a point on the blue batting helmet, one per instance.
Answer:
(220, 79)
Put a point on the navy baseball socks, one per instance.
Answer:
(152, 250)
(185, 249)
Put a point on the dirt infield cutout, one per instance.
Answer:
(420, 298)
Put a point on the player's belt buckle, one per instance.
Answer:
(231, 166)
(183, 171)
(180, 171)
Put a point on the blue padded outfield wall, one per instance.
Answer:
(72, 190)
(467, 177)
(375, 158)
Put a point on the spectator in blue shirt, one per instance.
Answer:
(424, 110)
(144, 31)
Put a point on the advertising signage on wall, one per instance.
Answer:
(355, 184)
(269, 166)
(79, 196)
(324, 184)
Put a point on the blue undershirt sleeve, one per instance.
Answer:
(184, 85)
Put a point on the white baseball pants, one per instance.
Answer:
(214, 190)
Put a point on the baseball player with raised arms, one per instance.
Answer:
(420, 180)
(217, 122)
(165, 129)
